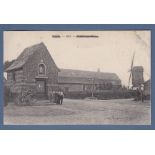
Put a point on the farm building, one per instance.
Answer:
(34, 68)
(79, 81)
(147, 88)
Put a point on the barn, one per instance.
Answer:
(84, 81)
(34, 68)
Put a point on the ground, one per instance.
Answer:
(75, 112)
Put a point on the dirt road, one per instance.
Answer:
(89, 112)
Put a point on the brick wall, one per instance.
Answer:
(31, 68)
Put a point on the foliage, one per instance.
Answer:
(106, 95)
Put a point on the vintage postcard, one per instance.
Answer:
(77, 77)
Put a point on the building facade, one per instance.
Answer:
(35, 69)
(87, 81)
(147, 88)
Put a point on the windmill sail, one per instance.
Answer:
(131, 69)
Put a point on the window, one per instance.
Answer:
(42, 69)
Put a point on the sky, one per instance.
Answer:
(111, 51)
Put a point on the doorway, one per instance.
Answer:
(41, 88)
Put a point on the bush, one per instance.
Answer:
(106, 95)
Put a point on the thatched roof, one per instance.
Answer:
(79, 76)
(25, 55)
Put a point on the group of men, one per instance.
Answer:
(57, 97)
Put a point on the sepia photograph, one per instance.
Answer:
(77, 77)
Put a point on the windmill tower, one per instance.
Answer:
(136, 74)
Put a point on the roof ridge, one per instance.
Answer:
(86, 71)
(88, 74)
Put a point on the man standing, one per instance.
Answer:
(61, 96)
(57, 98)
(142, 92)
(137, 95)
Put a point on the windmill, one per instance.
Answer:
(131, 69)
(136, 74)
